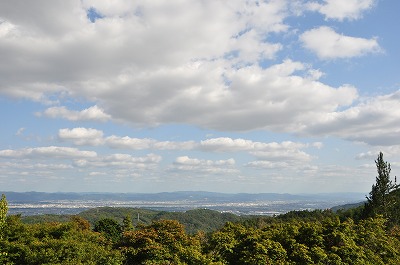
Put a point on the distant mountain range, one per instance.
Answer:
(32, 197)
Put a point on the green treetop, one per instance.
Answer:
(380, 201)
(127, 224)
(3, 213)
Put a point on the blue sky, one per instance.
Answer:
(238, 96)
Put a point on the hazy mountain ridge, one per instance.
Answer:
(173, 196)
(38, 203)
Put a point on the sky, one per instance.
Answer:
(285, 96)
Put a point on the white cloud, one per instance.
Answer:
(160, 63)
(268, 155)
(20, 131)
(127, 142)
(283, 155)
(35, 18)
(204, 64)
(285, 166)
(170, 145)
(328, 44)
(342, 9)
(82, 136)
(80, 163)
(374, 121)
(36, 163)
(96, 173)
(47, 152)
(203, 166)
(282, 158)
(6, 28)
(226, 144)
(367, 155)
(93, 137)
(391, 153)
(360, 176)
(268, 164)
(28, 166)
(93, 113)
(126, 161)
(285, 150)
(317, 145)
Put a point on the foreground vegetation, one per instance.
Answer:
(369, 234)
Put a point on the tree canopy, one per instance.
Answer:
(381, 199)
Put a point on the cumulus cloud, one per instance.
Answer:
(276, 98)
(369, 155)
(47, 152)
(226, 144)
(6, 28)
(342, 9)
(285, 155)
(93, 137)
(194, 165)
(78, 158)
(127, 142)
(268, 155)
(283, 166)
(328, 44)
(273, 151)
(159, 63)
(285, 151)
(211, 64)
(93, 113)
(273, 155)
(29, 166)
(125, 161)
(374, 121)
(37, 162)
(268, 164)
(392, 152)
(96, 173)
(82, 136)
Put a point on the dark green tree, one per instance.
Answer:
(127, 224)
(54, 243)
(109, 228)
(380, 201)
(3, 216)
(3, 213)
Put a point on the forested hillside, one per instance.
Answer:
(369, 234)
(290, 240)
(193, 220)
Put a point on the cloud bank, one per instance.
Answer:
(149, 64)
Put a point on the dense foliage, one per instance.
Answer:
(328, 241)
(55, 243)
(317, 237)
